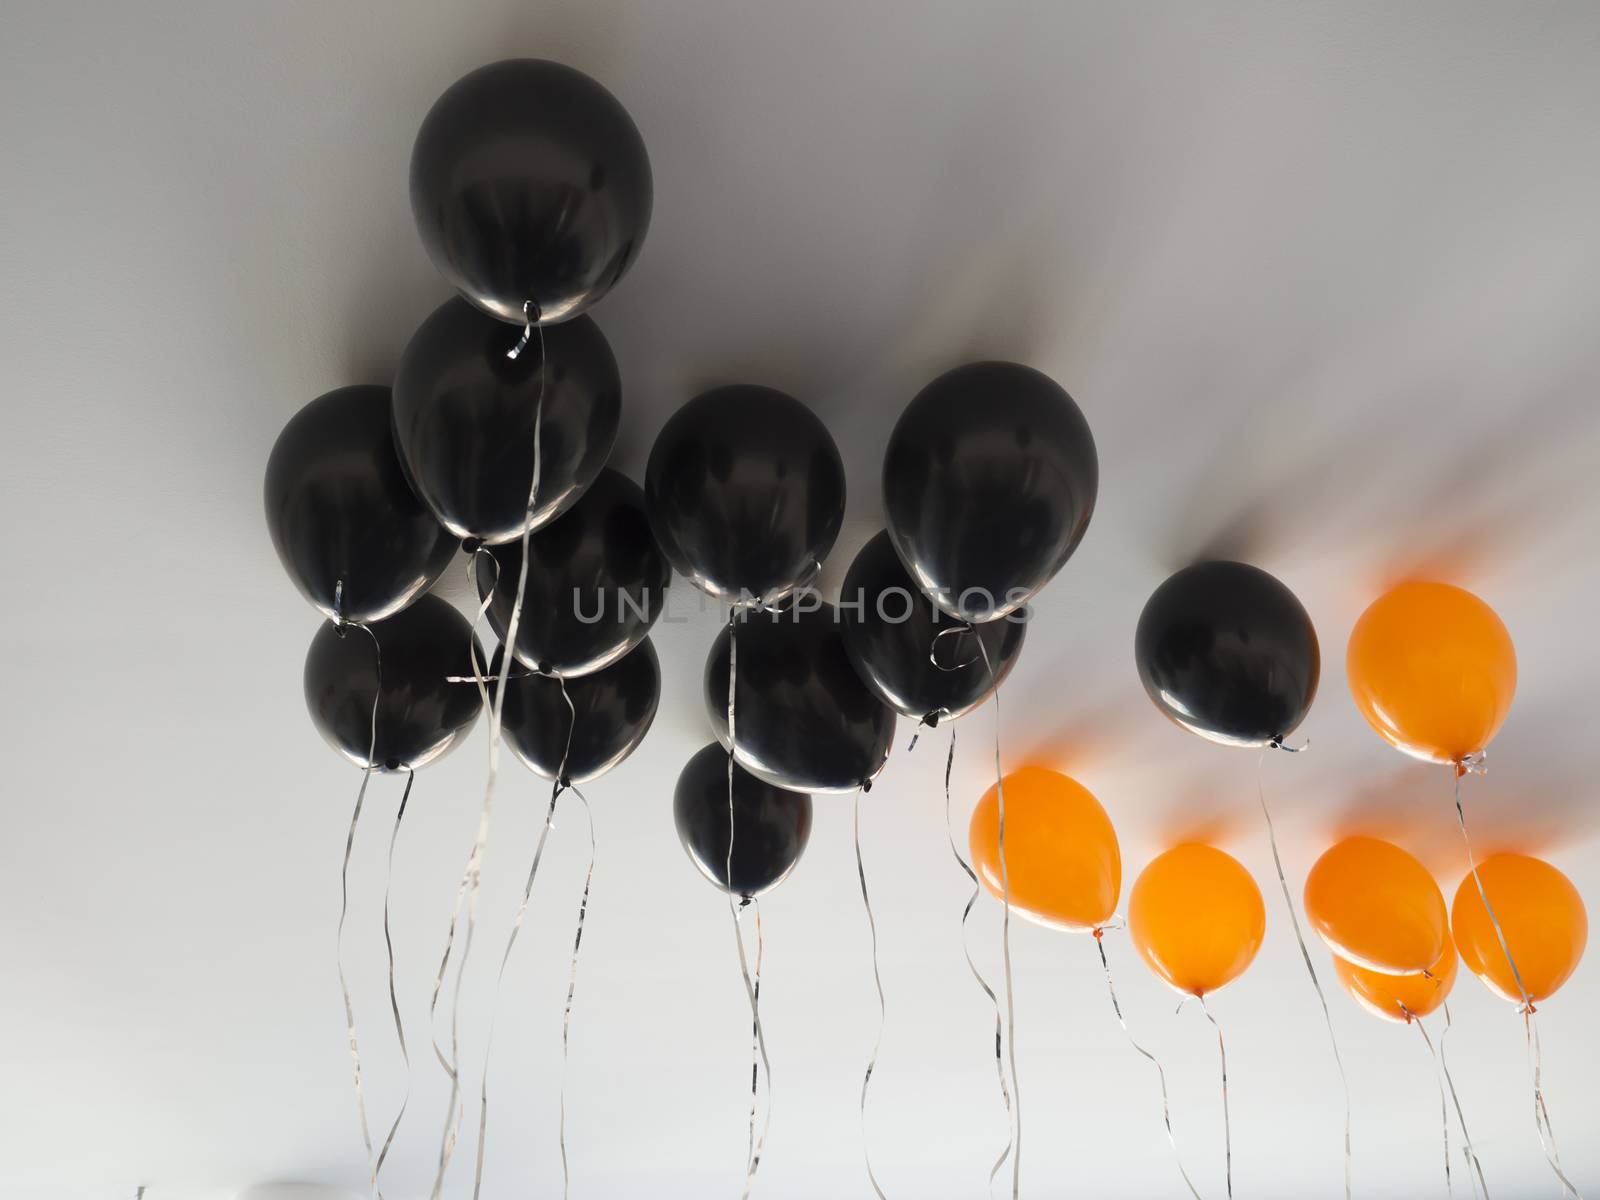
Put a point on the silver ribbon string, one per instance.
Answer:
(883, 1011)
(528, 326)
(1444, 1110)
(1305, 954)
(1161, 1074)
(1474, 764)
(344, 903)
(394, 999)
(1467, 1152)
(572, 985)
(1227, 1124)
(966, 949)
(1005, 937)
(473, 875)
(754, 1148)
(556, 788)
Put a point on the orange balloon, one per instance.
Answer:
(1432, 669)
(1377, 906)
(1541, 914)
(1399, 997)
(1062, 860)
(1196, 917)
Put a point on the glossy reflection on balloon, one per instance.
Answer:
(770, 827)
(420, 713)
(912, 654)
(596, 582)
(1376, 905)
(530, 183)
(348, 529)
(1197, 918)
(746, 492)
(1061, 857)
(464, 417)
(1433, 671)
(1399, 997)
(804, 719)
(989, 481)
(1227, 652)
(1542, 916)
(612, 709)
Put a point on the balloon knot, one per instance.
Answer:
(1476, 763)
(392, 764)
(471, 545)
(1528, 1009)
(1277, 743)
(1098, 933)
(866, 786)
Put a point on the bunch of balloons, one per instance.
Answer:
(532, 193)
(989, 481)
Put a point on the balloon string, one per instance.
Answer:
(511, 940)
(473, 875)
(1305, 954)
(1227, 1125)
(1467, 1151)
(572, 984)
(344, 908)
(883, 1012)
(1166, 1107)
(966, 949)
(1444, 1110)
(1005, 934)
(755, 1146)
(735, 907)
(394, 1000)
(1541, 1115)
(556, 788)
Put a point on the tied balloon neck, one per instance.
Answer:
(530, 321)
(1476, 763)
(1277, 743)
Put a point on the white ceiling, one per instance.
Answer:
(1325, 279)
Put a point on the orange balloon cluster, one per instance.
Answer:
(1382, 915)
(1395, 952)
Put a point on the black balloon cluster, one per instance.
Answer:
(532, 193)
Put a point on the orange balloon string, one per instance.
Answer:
(1166, 1107)
(1227, 1124)
(1474, 764)
(1444, 1112)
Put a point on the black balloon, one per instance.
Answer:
(770, 826)
(464, 418)
(596, 582)
(746, 492)
(611, 712)
(802, 716)
(530, 186)
(420, 713)
(918, 659)
(1226, 651)
(354, 538)
(989, 481)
